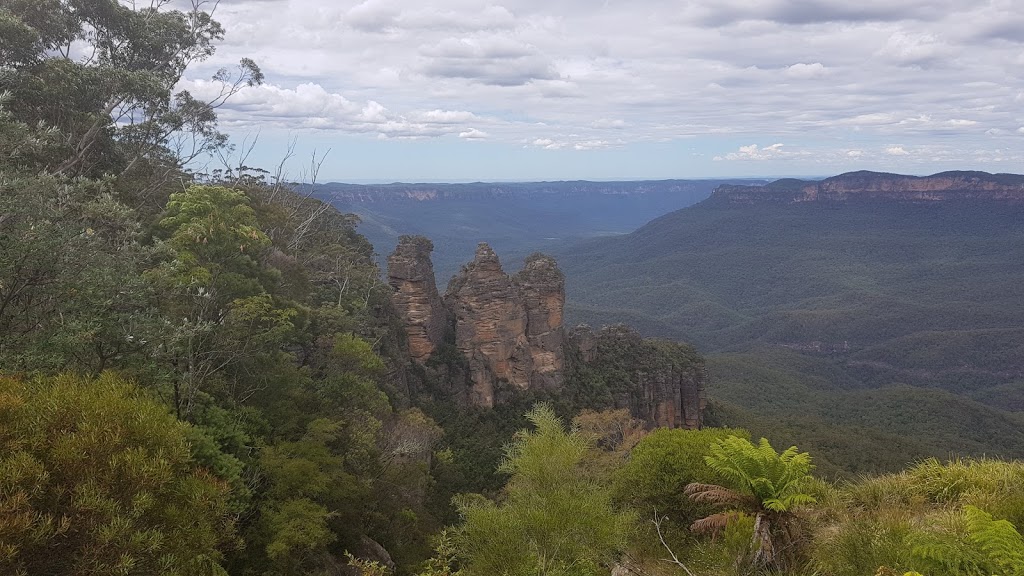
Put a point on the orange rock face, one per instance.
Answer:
(411, 275)
(509, 329)
(542, 286)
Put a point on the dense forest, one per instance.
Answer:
(893, 323)
(201, 373)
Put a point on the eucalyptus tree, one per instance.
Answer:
(102, 73)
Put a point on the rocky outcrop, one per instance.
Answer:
(490, 326)
(508, 329)
(509, 333)
(878, 186)
(659, 382)
(542, 286)
(411, 275)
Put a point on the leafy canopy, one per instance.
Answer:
(95, 478)
(556, 518)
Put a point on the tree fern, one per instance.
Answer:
(998, 540)
(766, 484)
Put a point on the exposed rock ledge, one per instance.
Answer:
(878, 186)
(510, 332)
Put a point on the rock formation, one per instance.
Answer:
(660, 382)
(865, 185)
(490, 326)
(509, 332)
(542, 286)
(509, 329)
(416, 299)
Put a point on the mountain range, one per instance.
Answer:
(516, 218)
(865, 305)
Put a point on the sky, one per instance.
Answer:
(462, 90)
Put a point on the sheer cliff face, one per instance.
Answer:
(509, 329)
(876, 186)
(542, 286)
(490, 326)
(659, 382)
(416, 299)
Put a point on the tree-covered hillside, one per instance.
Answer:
(515, 218)
(198, 373)
(806, 309)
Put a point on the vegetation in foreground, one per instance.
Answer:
(200, 374)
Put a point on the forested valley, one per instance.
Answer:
(202, 372)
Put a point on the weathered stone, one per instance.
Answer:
(510, 332)
(542, 286)
(411, 275)
(659, 382)
(490, 326)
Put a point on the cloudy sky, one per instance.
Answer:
(455, 90)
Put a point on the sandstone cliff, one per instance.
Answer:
(508, 329)
(659, 382)
(490, 326)
(542, 286)
(416, 299)
(509, 334)
(877, 186)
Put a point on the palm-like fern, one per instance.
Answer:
(767, 485)
(998, 540)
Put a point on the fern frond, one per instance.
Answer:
(718, 495)
(715, 523)
(998, 539)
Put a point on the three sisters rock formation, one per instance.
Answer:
(509, 331)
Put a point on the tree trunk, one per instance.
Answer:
(764, 548)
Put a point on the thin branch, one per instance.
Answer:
(675, 559)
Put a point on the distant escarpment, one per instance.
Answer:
(508, 335)
(426, 192)
(878, 186)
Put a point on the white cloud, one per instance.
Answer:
(804, 71)
(816, 74)
(896, 151)
(913, 48)
(548, 144)
(591, 144)
(609, 123)
(753, 152)
(473, 134)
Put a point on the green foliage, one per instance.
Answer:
(768, 485)
(115, 111)
(775, 480)
(255, 313)
(662, 465)
(97, 478)
(939, 519)
(70, 291)
(445, 558)
(999, 540)
(555, 517)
